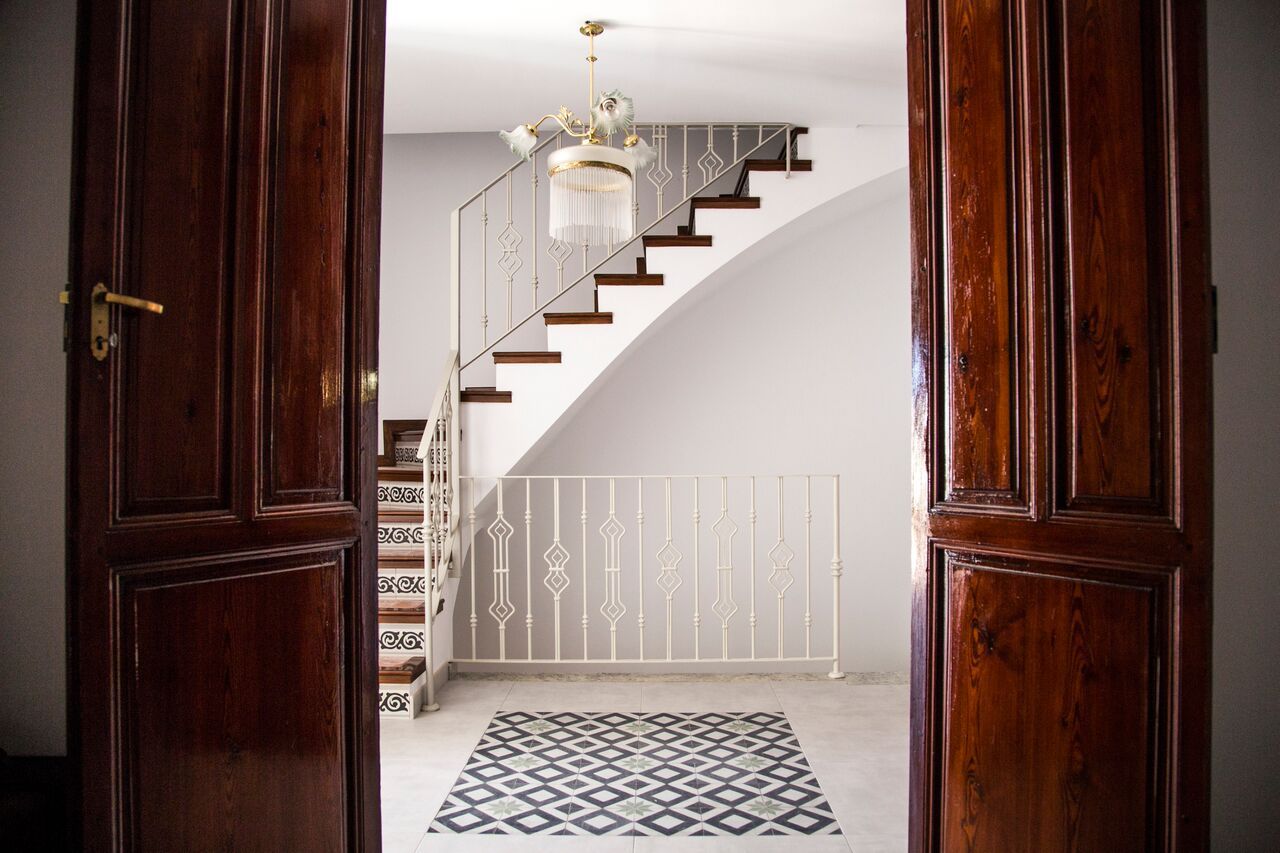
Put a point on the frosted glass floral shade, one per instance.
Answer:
(591, 191)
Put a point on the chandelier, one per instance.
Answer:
(591, 182)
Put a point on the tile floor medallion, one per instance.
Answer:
(663, 774)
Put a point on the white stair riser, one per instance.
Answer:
(398, 537)
(400, 638)
(406, 584)
(402, 700)
(400, 495)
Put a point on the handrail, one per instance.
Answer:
(437, 403)
(782, 128)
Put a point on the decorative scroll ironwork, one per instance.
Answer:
(725, 529)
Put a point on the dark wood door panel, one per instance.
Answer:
(1109, 70)
(208, 709)
(221, 554)
(306, 339)
(1060, 653)
(1052, 683)
(176, 223)
(982, 288)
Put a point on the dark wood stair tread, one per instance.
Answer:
(485, 395)
(399, 516)
(574, 318)
(526, 358)
(396, 670)
(405, 561)
(411, 611)
(399, 474)
(652, 240)
(628, 279)
(778, 165)
(728, 202)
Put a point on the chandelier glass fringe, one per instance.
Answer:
(592, 183)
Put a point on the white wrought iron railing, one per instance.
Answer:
(514, 249)
(515, 195)
(440, 437)
(546, 556)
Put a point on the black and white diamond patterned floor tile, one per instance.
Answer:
(661, 774)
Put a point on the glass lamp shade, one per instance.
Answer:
(590, 195)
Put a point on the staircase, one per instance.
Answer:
(535, 390)
(545, 364)
(402, 578)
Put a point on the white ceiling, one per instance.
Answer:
(490, 64)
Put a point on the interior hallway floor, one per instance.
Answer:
(854, 737)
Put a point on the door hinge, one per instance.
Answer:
(64, 297)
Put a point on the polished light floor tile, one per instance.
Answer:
(632, 773)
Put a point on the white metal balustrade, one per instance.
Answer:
(561, 570)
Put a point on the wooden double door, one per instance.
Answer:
(221, 568)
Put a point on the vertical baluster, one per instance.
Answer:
(585, 619)
(501, 609)
(669, 559)
(786, 139)
(556, 558)
(612, 608)
(471, 520)
(781, 578)
(837, 569)
(533, 194)
(760, 134)
(684, 169)
(724, 606)
(697, 580)
(808, 571)
(735, 143)
(752, 518)
(640, 559)
(528, 570)
(635, 204)
(509, 240)
(484, 269)
(585, 251)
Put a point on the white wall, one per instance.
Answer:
(799, 361)
(1244, 144)
(37, 46)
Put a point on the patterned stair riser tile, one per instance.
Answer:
(637, 774)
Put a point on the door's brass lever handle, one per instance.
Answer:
(129, 301)
(101, 338)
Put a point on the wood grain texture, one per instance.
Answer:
(175, 453)
(985, 288)
(207, 709)
(1114, 361)
(190, 122)
(1060, 660)
(307, 298)
(1052, 674)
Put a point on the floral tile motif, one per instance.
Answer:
(592, 774)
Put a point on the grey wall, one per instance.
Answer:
(37, 43)
(1244, 143)
(424, 177)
